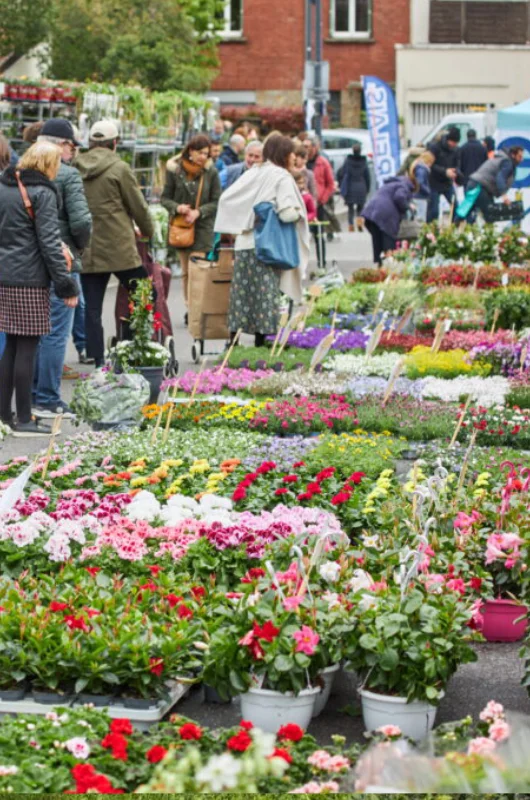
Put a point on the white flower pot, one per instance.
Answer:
(415, 719)
(328, 676)
(269, 710)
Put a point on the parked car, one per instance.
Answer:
(338, 142)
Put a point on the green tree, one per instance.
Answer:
(162, 44)
(23, 24)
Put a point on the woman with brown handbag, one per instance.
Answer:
(31, 256)
(191, 195)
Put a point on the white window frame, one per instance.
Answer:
(351, 33)
(226, 32)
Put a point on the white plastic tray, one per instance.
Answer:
(141, 718)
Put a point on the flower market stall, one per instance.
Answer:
(347, 505)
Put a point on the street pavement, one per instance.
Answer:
(496, 674)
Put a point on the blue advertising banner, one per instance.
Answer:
(383, 124)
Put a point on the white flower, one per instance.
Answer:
(370, 541)
(253, 599)
(8, 770)
(360, 580)
(211, 501)
(332, 599)
(145, 506)
(264, 743)
(368, 601)
(78, 747)
(180, 501)
(221, 772)
(330, 571)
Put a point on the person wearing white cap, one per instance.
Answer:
(117, 205)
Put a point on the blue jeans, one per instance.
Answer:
(433, 210)
(78, 330)
(51, 354)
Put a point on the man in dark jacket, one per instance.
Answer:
(354, 182)
(493, 179)
(472, 155)
(116, 204)
(444, 172)
(75, 223)
(232, 151)
(253, 155)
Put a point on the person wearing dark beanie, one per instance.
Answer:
(445, 171)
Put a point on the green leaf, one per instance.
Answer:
(283, 663)
(237, 681)
(389, 659)
(80, 684)
(413, 603)
(368, 642)
(431, 693)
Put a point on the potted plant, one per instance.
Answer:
(140, 353)
(107, 400)
(268, 653)
(506, 556)
(405, 649)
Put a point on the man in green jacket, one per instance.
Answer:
(75, 224)
(117, 206)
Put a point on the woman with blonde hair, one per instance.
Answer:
(31, 256)
(419, 173)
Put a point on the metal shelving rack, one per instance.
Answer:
(24, 112)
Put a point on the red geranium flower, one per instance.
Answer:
(157, 666)
(184, 612)
(148, 306)
(246, 725)
(291, 732)
(290, 478)
(76, 623)
(356, 477)
(156, 754)
(253, 574)
(198, 591)
(121, 726)
(239, 494)
(93, 570)
(240, 742)
(279, 752)
(190, 731)
(55, 606)
(117, 744)
(154, 570)
(341, 497)
(173, 600)
(281, 491)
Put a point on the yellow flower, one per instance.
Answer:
(136, 482)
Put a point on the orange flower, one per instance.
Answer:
(153, 479)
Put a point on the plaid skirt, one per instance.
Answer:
(25, 310)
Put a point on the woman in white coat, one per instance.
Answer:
(256, 287)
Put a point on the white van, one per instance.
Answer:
(483, 122)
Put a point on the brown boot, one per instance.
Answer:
(351, 228)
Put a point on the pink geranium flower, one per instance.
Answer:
(306, 640)
(499, 730)
(481, 746)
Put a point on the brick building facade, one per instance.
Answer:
(263, 51)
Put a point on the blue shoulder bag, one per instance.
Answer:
(276, 241)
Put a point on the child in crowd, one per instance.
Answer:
(306, 196)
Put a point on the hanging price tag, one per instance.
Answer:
(392, 380)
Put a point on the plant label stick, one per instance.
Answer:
(392, 380)
(321, 351)
(505, 279)
(460, 421)
(405, 319)
(229, 351)
(334, 318)
(159, 418)
(477, 273)
(380, 298)
(283, 322)
(56, 427)
(496, 315)
(197, 380)
(374, 339)
(293, 322)
(524, 353)
(170, 414)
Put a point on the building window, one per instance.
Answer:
(350, 19)
(233, 19)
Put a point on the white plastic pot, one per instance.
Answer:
(328, 676)
(415, 719)
(269, 710)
